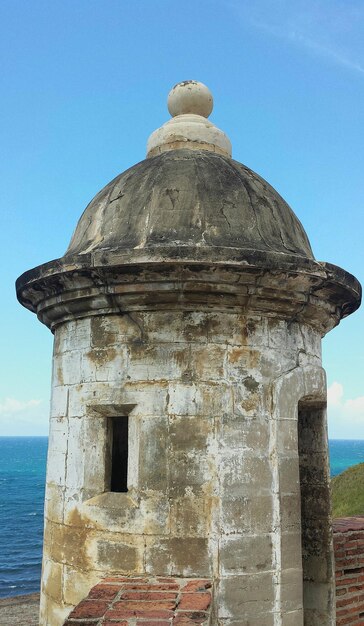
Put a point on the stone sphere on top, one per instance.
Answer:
(190, 96)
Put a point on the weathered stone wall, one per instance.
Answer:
(349, 563)
(213, 475)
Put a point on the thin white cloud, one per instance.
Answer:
(12, 405)
(23, 417)
(326, 29)
(313, 46)
(345, 415)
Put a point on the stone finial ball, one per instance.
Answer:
(190, 96)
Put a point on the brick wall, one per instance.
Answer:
(349, 565)
(125, 601)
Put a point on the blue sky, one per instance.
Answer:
(83, 84)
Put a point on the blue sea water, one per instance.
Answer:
(22, 478)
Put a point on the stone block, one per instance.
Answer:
(284, 336)
(176, 326)
(208, 362)
(74, 333)
(123, 554)
(52, 573)
(245, 596)
(216, 398)
(251, 436)
(245, 554)
(67, 368)
(292, 589)
(57, 451)
(315, 383)
(72, 497)
(317, 597)
(95, 434)
(311, 340)
(243, 363)
(287, 437)
(286, 393)
(243, 476)
(100, 365)
(77, 584)
(236, 329)
(69, 543)
(77, 452)
(153, 454)
(113, 330)
(252, 620)
(54, 502)
(291, 552)
(167, 361)
(188, 433)
(251, 400)
(315, 502)
(275, 363)
(150, 398)
(189, 473)
(192, 516)
(289, 477)
(290, 512)
(293, 618)
(247, 515)
(59, 402)
(119, 512)
(53, 612)
(187, 556)
(317, 567)
(82, 395)
(184, 399)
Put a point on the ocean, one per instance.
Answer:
(22, 477)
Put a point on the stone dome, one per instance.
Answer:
(189, 227)
(189, 198)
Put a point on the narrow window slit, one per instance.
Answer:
(119, 427)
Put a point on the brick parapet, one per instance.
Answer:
(349, 566)
(125, 601)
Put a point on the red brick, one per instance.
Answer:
(347, 601)
(73, 622)
(340, 592)
(89, 608)
(124, 579)
(183, 620)
(149, 595)
(149, 605)
(166, 579)
(104, 592)
(117, 623)
(154, 622)
(197, 585)
(152, 587)
(195, 601)
(192, 614)
(147, 613)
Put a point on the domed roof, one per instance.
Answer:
(189, 227)
(189, 198)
